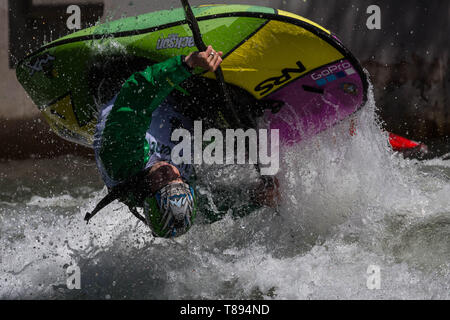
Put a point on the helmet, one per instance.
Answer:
(171, 212)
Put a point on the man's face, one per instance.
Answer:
(161, 174)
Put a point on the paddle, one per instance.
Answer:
(193, 24)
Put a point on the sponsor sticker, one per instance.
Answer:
(42, 63)
(332, 73)
(174, 41)
(349, 88)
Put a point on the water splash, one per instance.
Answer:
(349, 202)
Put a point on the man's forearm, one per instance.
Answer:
(124, 148)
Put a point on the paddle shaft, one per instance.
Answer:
(193, 24)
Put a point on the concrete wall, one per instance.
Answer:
(23, 131)
(14, 103)
(407, 59)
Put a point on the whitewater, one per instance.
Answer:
(349, 203)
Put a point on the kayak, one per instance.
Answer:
(271, 54)
(406, 146)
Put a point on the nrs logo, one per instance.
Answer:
(347, 67)
(286, 74)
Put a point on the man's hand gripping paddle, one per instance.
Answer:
(193, 24)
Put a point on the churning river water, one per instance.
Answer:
(350, 205)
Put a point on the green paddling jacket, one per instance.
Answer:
(124, 150)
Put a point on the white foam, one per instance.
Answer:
(349, 202)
